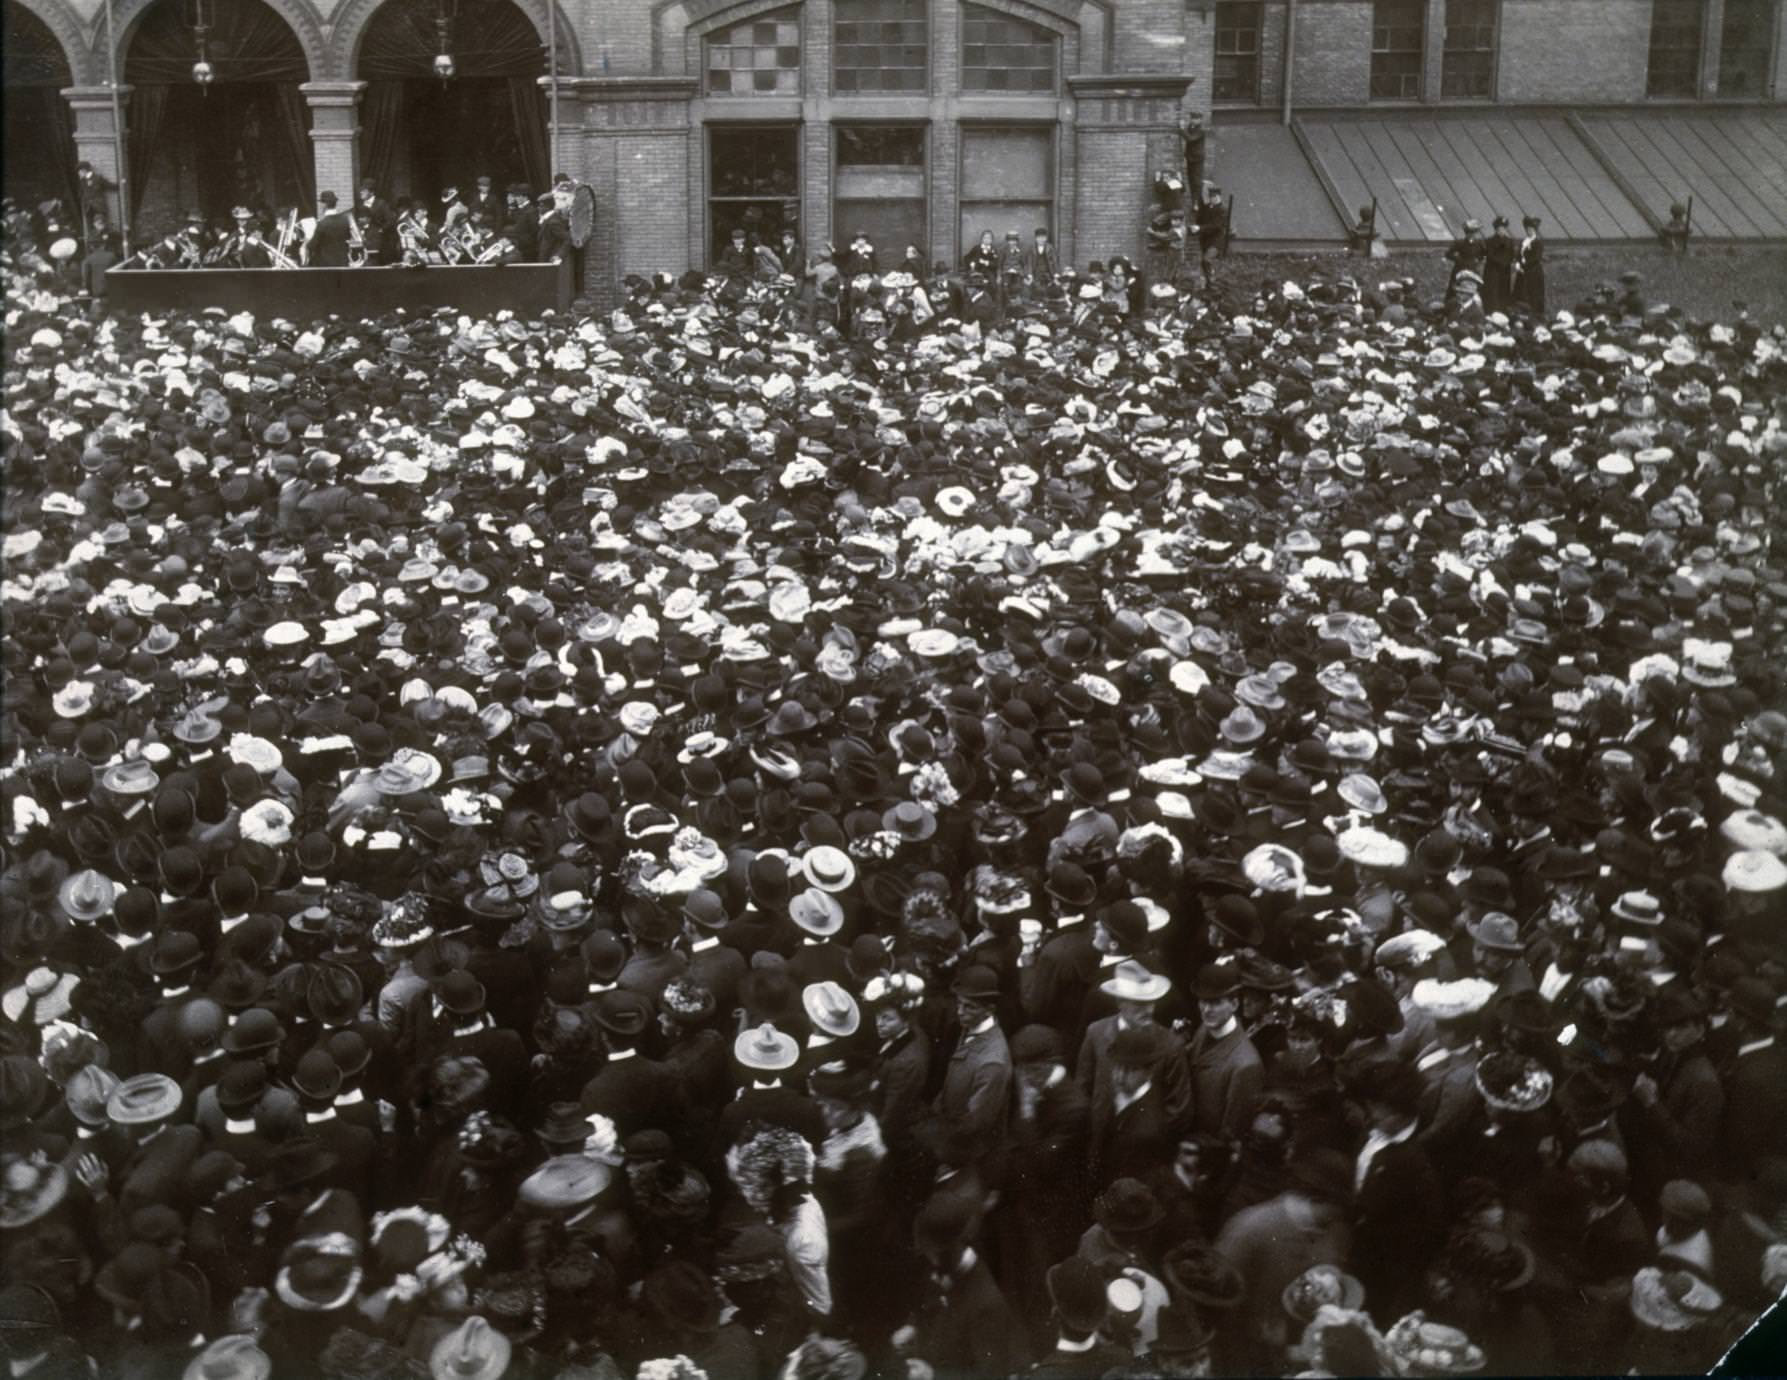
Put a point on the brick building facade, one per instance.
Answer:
(923, 121)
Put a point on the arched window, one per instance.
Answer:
(880, 47)
(1003, 54)
(759, 56)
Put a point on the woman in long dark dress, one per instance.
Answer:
(1529, 268)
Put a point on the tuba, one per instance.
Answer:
(356, 243)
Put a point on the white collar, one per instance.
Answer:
(1224, 1031)
(1755, 1045)
(239, 1128)
(229, 922)
(758, 1085)
(702, 945)
(615, 1054)
(1112, 960)
(350, 1098)
(1063, 1344)
(1126, 1102)
(168, 993)
(983, 1027)
(316, 1118)
(476, 1027)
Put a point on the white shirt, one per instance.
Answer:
(1374, 1143)
(1126, 1100)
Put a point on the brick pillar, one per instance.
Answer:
(561, 99)
(1433, 55)
(96, 141)
(335, 135)
(636, 151)
(1126, 129)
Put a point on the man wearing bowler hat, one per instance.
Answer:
(977, 1083)
(1226, 1071)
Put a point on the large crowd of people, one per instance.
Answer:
(1101, 837)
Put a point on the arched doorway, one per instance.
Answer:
(421, 133)
(242, 139)
(39, 149)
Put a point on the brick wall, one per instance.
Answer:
(651, 176)
(1333, 58)
(1564, 51)
(1150, 36)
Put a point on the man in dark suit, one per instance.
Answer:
(976, 1088)
(1135, 991)
(378, 225)
(463, 1030)
(964, 1325)
(317, 1081)
(1754, 1126)
(1078, 1305)
(764, 1054)
(1399, 1220)
(635, 1092)
(1679, 1105)
(485, 199)
(329, 237)
(1134, 1133)
(1226, 1071)
(521, 227)
(713, 963)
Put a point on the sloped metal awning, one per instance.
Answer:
(1431, 172)
(1278, 197)
(1732, 162)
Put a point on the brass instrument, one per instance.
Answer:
(276, 252)
(454, 249)
(498, 247)
(281, 248)
(418, 247)
(356, 243)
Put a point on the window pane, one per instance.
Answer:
(1675, 48)
(757, 55)
(879, 45)
(1397, 39)
(1003, 53)
(1745, 47)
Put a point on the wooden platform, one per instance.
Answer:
(305, 294)
(1732, 162)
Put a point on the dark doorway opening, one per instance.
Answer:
(39, 148)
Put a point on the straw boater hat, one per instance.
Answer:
(766, 1049)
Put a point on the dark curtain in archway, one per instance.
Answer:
(39, 127)
(422, 134)
(246, 138)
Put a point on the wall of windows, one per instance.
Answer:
(1008, 179)
(1746, 47)
(1398, 42)
(1675, 48)
(1467, 64)
(880, 46)
(1235, 73)
(878, 188)
(759, 57)
(1003, 54)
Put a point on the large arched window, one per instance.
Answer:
(241, 140)
(1005, 55)
(759, 56)
(880, 47)
(39, 150)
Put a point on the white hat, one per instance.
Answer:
(1447, 1001)
(1754, 870)
(1133, 982)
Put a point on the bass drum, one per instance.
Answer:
(583, 215)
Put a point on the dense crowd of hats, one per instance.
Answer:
(1135, 841)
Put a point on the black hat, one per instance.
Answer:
(1076, 1288)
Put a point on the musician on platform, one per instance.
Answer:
(378, 224)
(453, 209)
(555, 222)
(487, 201)
(334, 233)
(522, 228)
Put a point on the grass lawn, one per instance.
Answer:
(1711, 283)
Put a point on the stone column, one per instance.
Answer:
(335, 135)
(95, 139)
(1126, 130)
